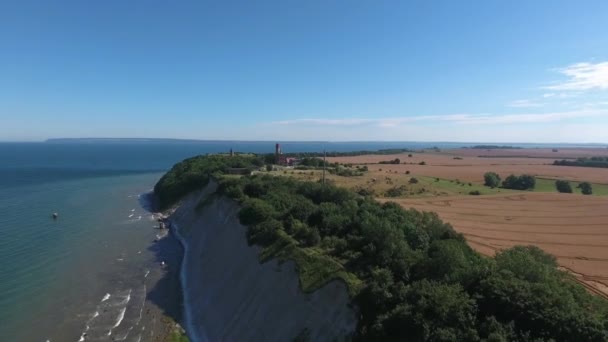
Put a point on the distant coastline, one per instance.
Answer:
(426, 144)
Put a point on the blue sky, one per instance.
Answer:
(494, 71)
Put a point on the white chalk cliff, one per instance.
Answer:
(230, 296)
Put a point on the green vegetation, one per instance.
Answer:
(585, 162)
(396, 191)
(523, 182)
(411, 276)
(563, 186)
(491, 179)
(548, 185)
(346, 171)
(177, 336)
(475, 193)
(194, 173)
(585, 188)
(394, 161)
(313, 162)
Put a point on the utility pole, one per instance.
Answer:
(324, 155)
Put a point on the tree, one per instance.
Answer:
(527, 182)
(491, 179)
(268, 167)
(563, 186)
(585, 188)
(523, 182)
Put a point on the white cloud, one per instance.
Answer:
(582, 77)
(524, 104)
(489, 119)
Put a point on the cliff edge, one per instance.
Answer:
(230, 296)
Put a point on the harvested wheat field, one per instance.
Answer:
(471, 168)
(574, 228)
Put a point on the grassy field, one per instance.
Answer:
(381, 181)
(548, 185)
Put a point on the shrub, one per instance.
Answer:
(585, 188)
(396, 191)
(394, 161)
(413, 180)
(407, 172)
(422, 163)
(523, 182)
(475, 193)
(268, 167)
(563, 186)
(491, 179)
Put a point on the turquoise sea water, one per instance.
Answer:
(86, 271)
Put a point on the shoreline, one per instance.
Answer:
(186, 316)
(163, 310)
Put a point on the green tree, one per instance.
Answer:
(523, 182)
(491, 179)
(563, 186)
(585, 188)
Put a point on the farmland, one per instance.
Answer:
(573, 227)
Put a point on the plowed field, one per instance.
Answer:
(572, 227)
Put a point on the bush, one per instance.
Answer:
(255, 211)
(413, 180)
(585, 188)
(523, 182)
(396, 191)
(422, 163)
(563, 186)
(475, 193)
(491, 179)
(394, 161)
(407, 172)
(268, 167)
(410, 155)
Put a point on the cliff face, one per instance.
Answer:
(230, 296)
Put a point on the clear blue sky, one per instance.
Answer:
(527, 71)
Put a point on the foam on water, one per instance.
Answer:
(119, 319)
(106, 297)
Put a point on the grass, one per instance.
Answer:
(177, 336)
(176, 333)
(548, 185)
(454, 187)
(315, 268)
(431, 186)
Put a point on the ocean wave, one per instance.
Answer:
(106, 297)
(119, 319)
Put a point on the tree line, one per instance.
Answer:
(523, 182)
(601, 162)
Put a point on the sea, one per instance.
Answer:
(84, 275)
